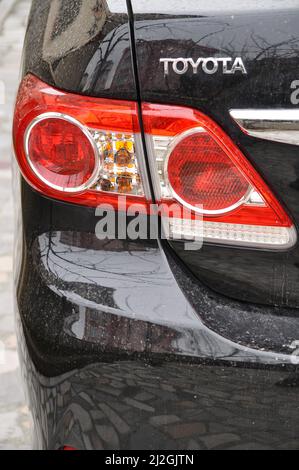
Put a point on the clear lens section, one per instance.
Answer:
(119, 166)
(184, 229)
(239, 234)
(234, 234)
(160, 146)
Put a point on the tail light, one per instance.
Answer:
(62, 153)
(79, 149)
(89, 151)
(195, 164)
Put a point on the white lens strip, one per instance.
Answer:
(249, 235)
(183, 229)
(232, 234)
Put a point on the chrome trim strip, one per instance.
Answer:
(278, 125)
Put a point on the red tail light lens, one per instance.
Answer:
(212, 180)
(79, 149)
(61, 153)
(196, 164)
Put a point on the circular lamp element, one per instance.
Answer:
(62, 153)
(202, 176)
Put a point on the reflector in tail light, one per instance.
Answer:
(195, 163)
(79, 149)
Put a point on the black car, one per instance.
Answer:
(157, 262)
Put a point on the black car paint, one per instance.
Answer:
(109, 346)
(269, 46)
(92, 59)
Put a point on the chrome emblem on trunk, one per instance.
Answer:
(208, 65)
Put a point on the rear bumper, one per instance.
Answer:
(123, 349)
(129, 405)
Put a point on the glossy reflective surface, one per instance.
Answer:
(121, 347)
(268, 44)
(277, 125)
(131, 406)
(80, 46)
(101, 322)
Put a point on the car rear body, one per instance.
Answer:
(142, 344)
